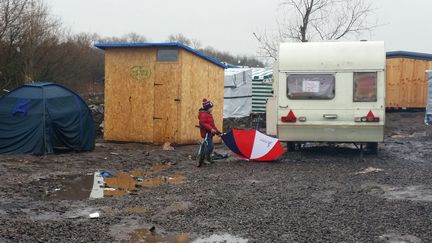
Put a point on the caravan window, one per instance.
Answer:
(311, 86)
(365, 87)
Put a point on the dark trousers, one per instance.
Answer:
(210, 145)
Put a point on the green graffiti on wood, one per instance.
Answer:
(139, 73)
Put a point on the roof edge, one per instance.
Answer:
(408, 54)
(213, 60)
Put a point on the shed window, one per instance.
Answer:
(167, 55)
(365, 87)
(311, 86)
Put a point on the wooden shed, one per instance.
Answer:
(406, 81)
(153, 91)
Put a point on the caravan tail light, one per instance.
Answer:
(370, 117)
(289, 118)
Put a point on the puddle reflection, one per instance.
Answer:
(75, 188)
(121, 184)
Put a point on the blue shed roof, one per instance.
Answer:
(407, 54)
(165, 44)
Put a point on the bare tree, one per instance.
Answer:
(194, 43)
(128, 38)
(41, 32)
(10, 33)
(309, 20)
(10, 12)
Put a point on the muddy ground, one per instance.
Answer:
(319, 195)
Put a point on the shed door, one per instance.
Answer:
(166, 103)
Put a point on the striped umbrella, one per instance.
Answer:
(253, 145)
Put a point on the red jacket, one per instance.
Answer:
(206, 122)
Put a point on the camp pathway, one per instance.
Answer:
(324, 194)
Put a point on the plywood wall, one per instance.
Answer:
(200, 79)
(158, 102)
(128, 101)
(166, 106)
(406, 83)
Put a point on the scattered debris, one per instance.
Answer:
(101, 126)
(105, 174)
(167, 146)
(94, 215)
(369, 170)
(114, 153)
(99, 145)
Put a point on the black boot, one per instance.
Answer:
(209, 158)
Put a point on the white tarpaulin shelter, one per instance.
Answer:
(428, 116)
(237, 92)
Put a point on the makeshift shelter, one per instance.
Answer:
(406, 83)
(237, 92)
(39, 117)
(262, 89)
(153, 91)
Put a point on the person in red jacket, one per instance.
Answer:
(207, 126)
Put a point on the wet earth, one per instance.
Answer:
(321, 194)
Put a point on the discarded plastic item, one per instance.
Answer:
(114, 153)
(94, 215)
(57, 189)
(97, 189)
(106, 174)
(109, 189)
(167, 146)
(139, 179)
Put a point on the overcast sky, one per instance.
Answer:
(228, 25)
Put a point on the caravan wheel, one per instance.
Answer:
(372, 148)
(291, 146)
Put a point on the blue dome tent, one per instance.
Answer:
(39, 117)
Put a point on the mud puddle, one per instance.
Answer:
(399, 238)
(412, 193)
(150, 236)
(123, 183)
(72, 188)
(161, 180)
(220, 238)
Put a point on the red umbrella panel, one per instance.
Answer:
(253, 145)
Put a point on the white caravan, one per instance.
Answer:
(329, 92)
